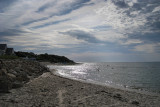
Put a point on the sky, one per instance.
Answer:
(84, 30)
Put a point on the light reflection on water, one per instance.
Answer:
(141, 76)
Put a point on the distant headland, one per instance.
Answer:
(9, 53)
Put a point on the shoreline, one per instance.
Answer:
(109, 86)
(141, 91)
(52, 90)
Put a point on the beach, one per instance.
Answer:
(79, 53)
(50, 90)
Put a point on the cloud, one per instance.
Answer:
(147, 38)
(12, 32)
(47, 5)
(26, 41)
(36, 20)
(16, 11)
(156, 9)
(120, 3)
(102, 27)
(148, 48)
(110, 36)
(137, 17)
(67, 7)
(131, 41)
(82, 35)
(50, 23)
(4, 4)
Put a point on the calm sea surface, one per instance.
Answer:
(139, 76)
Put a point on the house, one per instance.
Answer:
(3, 48)
(9, 51)
(1, 52)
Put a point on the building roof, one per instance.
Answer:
(3, 46)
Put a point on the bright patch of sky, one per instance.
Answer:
(83, 30)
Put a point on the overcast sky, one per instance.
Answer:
(83, 30)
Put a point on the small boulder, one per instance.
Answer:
(5, 84)
(12, 71)
(17, 69)
(22, 76)
(17, 84)
(11, 76)
(135, 102)
(3, 72)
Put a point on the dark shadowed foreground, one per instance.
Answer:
(54, 91)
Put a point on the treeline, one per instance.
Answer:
(44, 57)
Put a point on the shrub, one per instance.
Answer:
(8, 57)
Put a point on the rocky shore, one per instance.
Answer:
(50, 90)
(15, 73)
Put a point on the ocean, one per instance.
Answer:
(126, 75)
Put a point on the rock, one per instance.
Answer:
(117, 96)
(11, 76)
(3, 72)
(17, 84)
(12, 72)
(135, 102)
(17, 69)
(5, 84)
(22, 76)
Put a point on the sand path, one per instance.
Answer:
(60, 97)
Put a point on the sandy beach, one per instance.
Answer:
(50, 90)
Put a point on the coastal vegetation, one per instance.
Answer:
(44, 57)
(8, 57)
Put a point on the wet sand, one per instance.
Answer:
(50, 90)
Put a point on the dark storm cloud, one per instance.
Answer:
(4, 4)
(81, 35)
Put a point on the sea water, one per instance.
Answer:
(132, 75)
